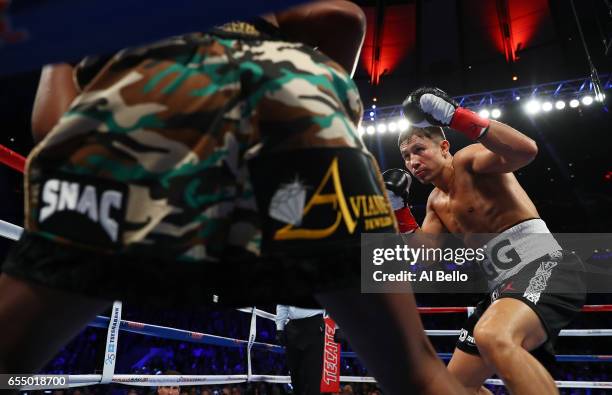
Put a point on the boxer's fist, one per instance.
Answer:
(427, 107)
(397, 182)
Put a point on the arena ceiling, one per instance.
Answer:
(468, 46)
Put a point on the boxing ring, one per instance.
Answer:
(116, 325)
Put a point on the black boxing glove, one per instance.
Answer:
(426, 107)
(397, 183)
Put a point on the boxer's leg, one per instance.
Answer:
(505, 334)
(386, 331)
(471, 371)
(37, 321)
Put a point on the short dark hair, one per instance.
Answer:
(435, 133)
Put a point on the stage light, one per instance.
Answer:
(600, 97)
(547, 106)
(560, 105)
(403, 125)
(371, 113)
(370, 130)
(517, 98)
(484, 113)
(392, 127)
(514, 78)
(373, 106)
(496, 113)
(587, 100)
(532, 107)
(574, 103)
(381, 128)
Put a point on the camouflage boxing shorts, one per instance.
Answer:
(223, 163)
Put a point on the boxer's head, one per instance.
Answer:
(425, 152)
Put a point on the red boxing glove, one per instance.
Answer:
(469, 123)
(405, 220)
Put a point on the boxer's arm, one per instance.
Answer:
(503, 150)
(56, 90)
(431, 233)
(336, 27)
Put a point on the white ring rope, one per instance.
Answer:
(10, 231)
(156, 380)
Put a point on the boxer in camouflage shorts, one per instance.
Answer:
(226, 163)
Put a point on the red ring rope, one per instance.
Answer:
(12, 159)
(596, 308)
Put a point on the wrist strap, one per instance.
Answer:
(469, 123)
(405, 220)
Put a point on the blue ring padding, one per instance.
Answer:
(67, 30)
(164, 332)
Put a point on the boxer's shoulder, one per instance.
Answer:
(464, 158)
(434, 198)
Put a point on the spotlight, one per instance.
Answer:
(392, 127)
(381, 128)
(403, 125)
(560, 105)
(532, 107)
(547, 106)
(600, 97)
(360, 130)
(514, 78)
(374, 99)
(484, 113)
(370, 129)
(371, 118)
(373, 106)
(587, 100)
(517, 98)
(574, 103)
(496, 113)
(371, 113)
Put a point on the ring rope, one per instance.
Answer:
(197, 337)
(80, 380)
(12, 159)
(179, 334)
